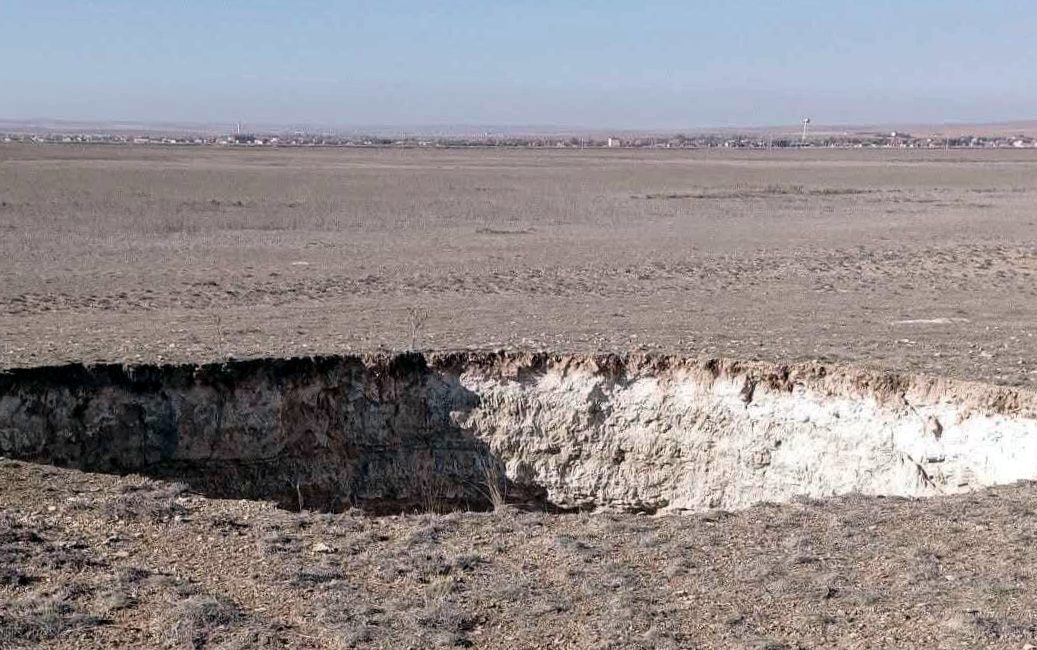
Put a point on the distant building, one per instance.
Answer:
(614, 142)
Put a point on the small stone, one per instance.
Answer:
(933, 427)
(321, 547)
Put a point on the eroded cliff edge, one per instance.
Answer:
(638, 432)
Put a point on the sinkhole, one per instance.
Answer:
(448, 430)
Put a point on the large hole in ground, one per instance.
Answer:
(469, 430)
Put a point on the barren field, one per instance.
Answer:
(664, 399)
(88, 560)
(908, 260)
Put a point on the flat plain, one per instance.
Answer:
(899, 259)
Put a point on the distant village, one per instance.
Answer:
(893, 140)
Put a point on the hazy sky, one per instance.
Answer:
(639, 64)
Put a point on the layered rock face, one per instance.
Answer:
(459, 429)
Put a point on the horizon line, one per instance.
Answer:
(484, 129)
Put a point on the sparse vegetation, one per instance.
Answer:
(191, 622)
(148, 500)
(495, 484)
(237, 574)
(416, 319)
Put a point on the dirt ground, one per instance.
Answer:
(92, 561)
(906, 260)
(912, 260)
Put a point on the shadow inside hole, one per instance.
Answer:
(322, 433)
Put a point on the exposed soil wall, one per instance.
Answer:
(450, 429)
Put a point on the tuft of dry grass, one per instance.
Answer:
(495, 484)
(191, 622)
(144, 498)
(417, 317)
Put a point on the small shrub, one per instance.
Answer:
(40, 619)
(13, 577)
(468, 561)
(147, 501)
(316, 576)
(495, 486)
(193, 620)
(416, 319)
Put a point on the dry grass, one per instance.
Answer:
(416, 319)
(143, 498)
(849, 572)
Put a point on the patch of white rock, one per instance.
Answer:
(685, 440)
